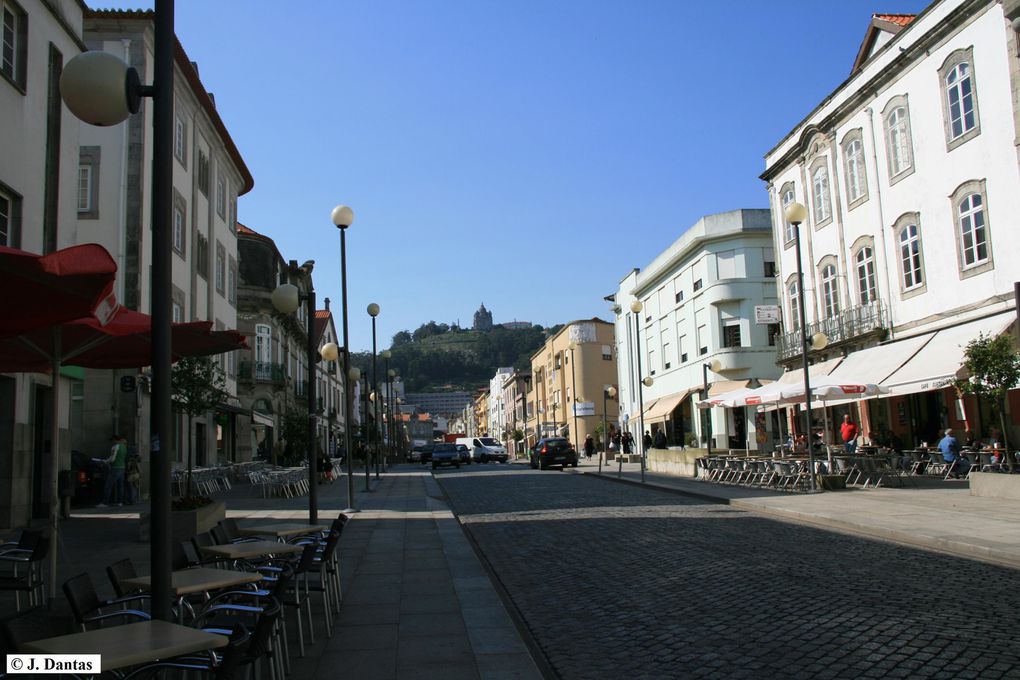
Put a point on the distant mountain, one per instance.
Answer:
(442, 358)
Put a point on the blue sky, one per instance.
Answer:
(522, 153)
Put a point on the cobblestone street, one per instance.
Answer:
(619, 581)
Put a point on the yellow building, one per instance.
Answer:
(481, 405)
(570, 375)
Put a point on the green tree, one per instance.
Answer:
(295, 433)
(992, 365)
(197, 385)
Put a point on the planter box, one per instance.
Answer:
(187, 523)
(831, 482)
(995, 485)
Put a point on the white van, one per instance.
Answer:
(484, 449)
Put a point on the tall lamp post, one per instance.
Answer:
(636, 307)
(101, 89)
(606, 394)
(713, 366)
(287, 298)
(573, 395)
(398, 426)
(390, 422)
(796, 213)
(364, 434)
(343, 217)
(373, 311)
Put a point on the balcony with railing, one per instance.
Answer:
(262, 371)
(855, 323)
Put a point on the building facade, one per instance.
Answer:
(570, 374)
(698, 301)
(909, 172)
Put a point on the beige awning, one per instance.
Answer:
(796, 376)
(723, 386)
(665, 405)
(649, 405)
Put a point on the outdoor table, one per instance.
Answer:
(131, 644)
(201, 580)
(239, 551)
(282, 531)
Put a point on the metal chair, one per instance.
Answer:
(88, 608)
(29, 581)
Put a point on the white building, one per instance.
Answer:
(38, 196)
(909, 171)
(698, 305)
(497, 405)
(114, 209)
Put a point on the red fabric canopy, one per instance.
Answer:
(67, 284)
(124, 342)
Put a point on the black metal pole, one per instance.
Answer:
(313, 448)
(708, 413)
(573, 403)
(364, 435)
(348, 392)
(605, 432)
(641, 399)
(161, 532)
(376, 431)
(804, 352)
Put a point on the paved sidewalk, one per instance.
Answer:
(938, 515)
(417, 601)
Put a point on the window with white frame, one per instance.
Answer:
(180, 140)
(10, 211)
(177, 300)
(911, 262)
(830, 291)
(682, 346)
(221, 196)
(899, 147)
(13, 42)
(787, 197)
(731, 333)
(973, 241)
(84, 188)
(221, 266)
(768, 262)
(179, 224)
(88, 182)
(864, 261)
(177, 313)
(263, 343)
(793, 294)
(231, 280)
(821, 201)
(959, 98)
(854, 169)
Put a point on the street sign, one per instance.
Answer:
(764, 314)
(127, 383)
(584, 408)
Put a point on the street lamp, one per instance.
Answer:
(391, 424)
(399, 426)
(287, 298)
(713, 366)
(573, 394)
(610, 394)
(364, 434)
(100, 89)
(636, 307)
(373, 311)
(343, 217)
(353, 378)
(796, 213)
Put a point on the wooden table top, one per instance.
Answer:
(186, 581)
(233, 551)
(282, 530)
(131, 644)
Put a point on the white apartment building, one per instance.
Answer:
(497, 403)
(909, 171)
(114, 209)
(38, 195)
(698, 306)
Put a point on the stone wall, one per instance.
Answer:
(995, 485)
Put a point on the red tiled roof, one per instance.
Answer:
(899, 19)
(322, 313)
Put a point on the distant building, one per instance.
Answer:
(483, 319)
(517, 325)
(439, 403)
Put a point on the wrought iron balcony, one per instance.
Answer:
(850, 324)
(261, 371)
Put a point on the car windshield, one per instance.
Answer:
(444, 447)
(488, 441)
(461, 447)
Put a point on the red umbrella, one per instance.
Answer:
(123, 342)
(66, 284)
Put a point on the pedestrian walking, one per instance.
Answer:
(132, 478)
(848, 433)
(660, 439)
(113, 491)
(646, 441)
(628, 443)
(589, 447)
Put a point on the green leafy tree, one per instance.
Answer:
(197, 385)
(993, 367)
(295, 433)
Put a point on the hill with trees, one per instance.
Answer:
(439, 357)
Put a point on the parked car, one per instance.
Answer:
(445, 454)
(553, 451)
(424, 453)
(465, 454)
(484, 449)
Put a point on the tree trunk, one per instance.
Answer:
(1005, 437)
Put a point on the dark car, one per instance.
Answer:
(89, 477)
(465, 454)
(425, 453)
(553, 451)
(445, 454)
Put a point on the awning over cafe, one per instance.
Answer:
(796, 376)
(875, 364)
(664, 406)
(723, 386)
(938, 362)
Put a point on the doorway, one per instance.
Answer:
(200, 445)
